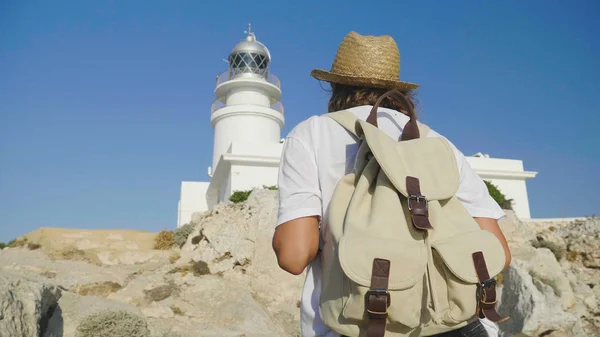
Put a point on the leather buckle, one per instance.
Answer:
(417, 198)
(481, 293)
(377, 293)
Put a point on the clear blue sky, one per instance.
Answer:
(105, 105)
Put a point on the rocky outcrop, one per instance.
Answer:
(25, 306)
(222, 279)
(551, 287)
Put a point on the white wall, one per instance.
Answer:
(241, 123)
(249, 177)
(191, 200)
(510, 178)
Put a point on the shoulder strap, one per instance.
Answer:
(348, 121)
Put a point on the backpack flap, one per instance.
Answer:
(357, 263)
(431, 160)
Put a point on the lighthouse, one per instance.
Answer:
(247, 107)
(247, 117)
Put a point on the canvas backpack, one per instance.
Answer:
(401, 255)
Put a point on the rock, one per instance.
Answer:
(217, 304)
(536, 295)
(68, 274)
(156, 310)
(72, 308)
(25, 306)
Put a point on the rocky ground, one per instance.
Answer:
(221, 279)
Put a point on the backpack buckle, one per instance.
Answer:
(377, 293)
(417, 198)
(481, 294)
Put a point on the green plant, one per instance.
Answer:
(114, 323)
(164, 240)
(239, 196)
(17, 243)
(272, 187)
(498, 196)
(3, 245)
(181, 234)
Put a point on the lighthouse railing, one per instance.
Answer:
(226, 76)
(217, 105)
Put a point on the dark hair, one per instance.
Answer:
(345, 97)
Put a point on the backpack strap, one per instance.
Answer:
(348, 121)
(378, 298)
(486, 291)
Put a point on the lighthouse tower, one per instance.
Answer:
(247, 109)
(247, 117)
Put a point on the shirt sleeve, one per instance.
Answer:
(473, 192)
(298, 182)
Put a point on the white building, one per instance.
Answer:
(247, 117)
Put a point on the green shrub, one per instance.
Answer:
(3, 245)
(240, 196)
(498, 196)
(181, 234)
(272, 187)
(114, 323)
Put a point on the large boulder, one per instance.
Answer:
(235, 240)
(537, 296)
(551, 287)
(25, 306)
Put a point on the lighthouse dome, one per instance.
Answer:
(249, 57)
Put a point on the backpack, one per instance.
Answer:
(401, 255)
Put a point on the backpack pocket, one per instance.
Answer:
(408, 262)
(455, 271)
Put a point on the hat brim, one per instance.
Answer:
(374, 82)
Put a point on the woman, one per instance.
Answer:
(318, 152)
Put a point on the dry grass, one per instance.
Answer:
(499, 279)
(174, 257)
(164, 240)
(161, 292)
(572, 256)
(119, 323)
(177, 310)
(100, 289)
(17, 243)
(197, 268)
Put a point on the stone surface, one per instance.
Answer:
(536, 295)
(548, 289)
(72, 308)
(25, 306)
(225, 280)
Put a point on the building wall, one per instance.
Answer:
(192, 199)
(245, 177)
(510, 178)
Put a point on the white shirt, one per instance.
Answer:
(316, 154)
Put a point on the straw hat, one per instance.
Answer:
(371, 61)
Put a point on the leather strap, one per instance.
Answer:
(486, 291)
(411, 129)
(417, 204)
(378, 298)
